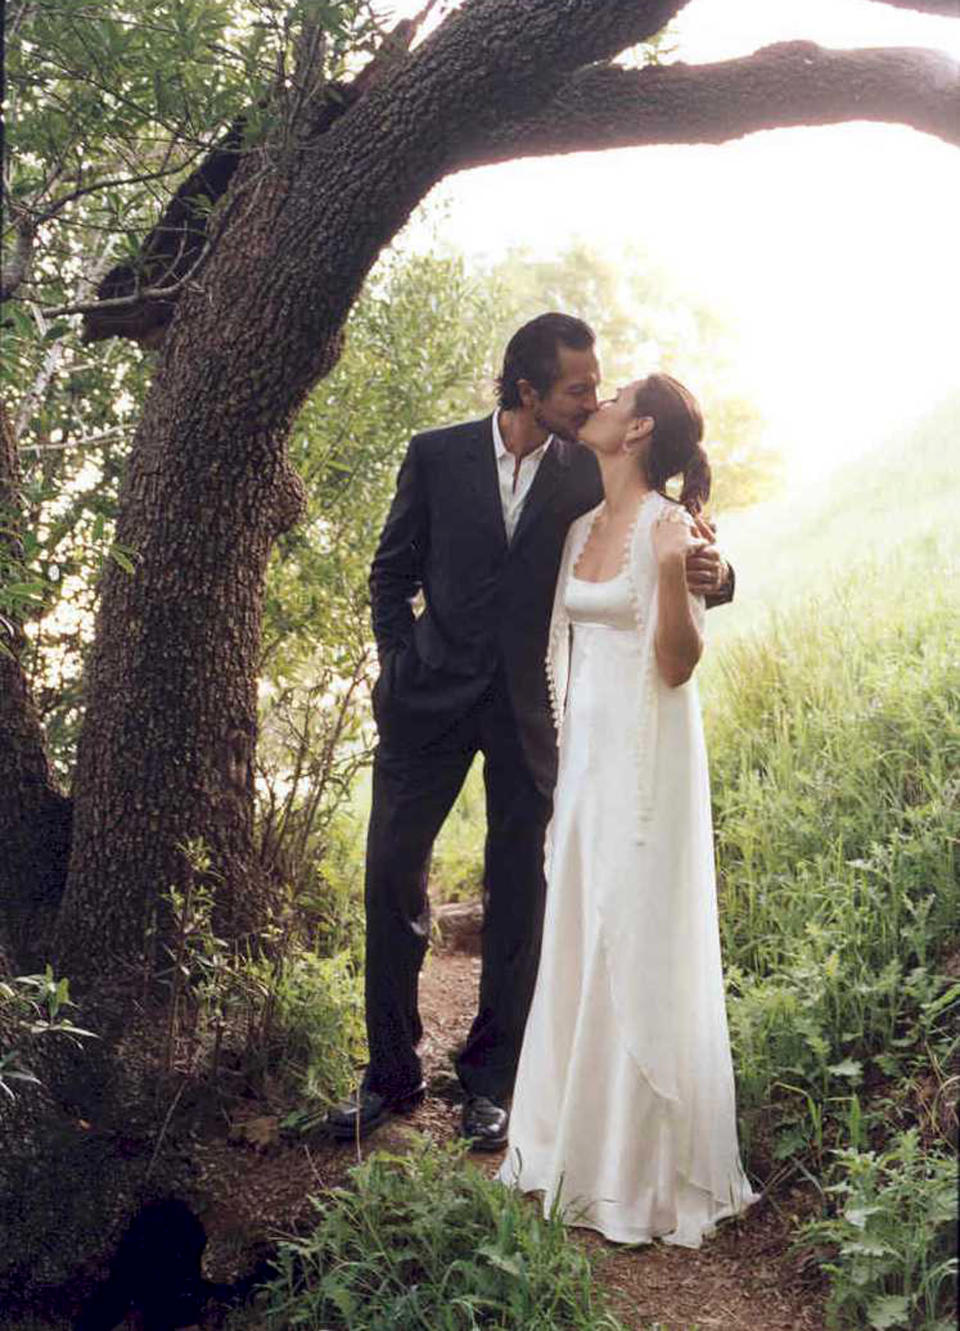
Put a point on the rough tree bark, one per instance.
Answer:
(167, 747)
(34, 815)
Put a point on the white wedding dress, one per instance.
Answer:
(623, 1110)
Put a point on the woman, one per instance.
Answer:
(624, 1102)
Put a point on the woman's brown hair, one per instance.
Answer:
(675, 447)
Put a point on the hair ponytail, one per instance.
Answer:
(696, 481)
(675, 443)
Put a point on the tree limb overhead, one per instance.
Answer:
(170, 253)
(948, 8)
(493, 97)
(790, 84)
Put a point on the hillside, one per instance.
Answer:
(901, 496)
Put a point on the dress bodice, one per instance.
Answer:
(606, 604)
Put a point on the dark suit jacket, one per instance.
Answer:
(486, 603)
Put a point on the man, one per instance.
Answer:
(477, 525)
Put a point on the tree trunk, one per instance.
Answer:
(167, 749)
(34, 816)
(166, 753)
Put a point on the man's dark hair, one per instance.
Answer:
(533, 354)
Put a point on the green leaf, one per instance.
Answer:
(858, 1215)
(890, 1310)
(22, 1075)
(120, 557)
(25, 591)
(850, 1068)
(340, 1297)
(513, 1265)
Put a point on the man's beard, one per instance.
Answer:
(564, 430)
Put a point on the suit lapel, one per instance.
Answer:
(547, 481)
(480, 472)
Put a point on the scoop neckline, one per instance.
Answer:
(601, 582)
(628, 540)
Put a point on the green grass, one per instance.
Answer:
(815, 541)
(425, 1242)
(315, 1034)
(835, 748)
(834, 736)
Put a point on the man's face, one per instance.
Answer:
(571, 398)
(610, 426)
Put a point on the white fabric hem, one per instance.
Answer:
(578, 1214)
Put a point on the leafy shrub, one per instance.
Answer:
(892, 1238)
(32, 1007)
(456, 869)
(313, 1034)
(329, 899)
(835, 746)
(427, 1242)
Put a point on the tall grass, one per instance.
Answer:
(425, 1242)
(815, 539)
(835, 750)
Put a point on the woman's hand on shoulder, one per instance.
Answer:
(673, 539)
(708, 573)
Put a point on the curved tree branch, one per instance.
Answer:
(948, 8)
(790, 84)
(177, 246)
(18, 268)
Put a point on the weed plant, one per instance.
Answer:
(835, 751)
(835, 744)
(290, 1016)
(425, 1242)
(893, 1263)
(32, 1007)
(315, 1036)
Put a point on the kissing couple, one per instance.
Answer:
(564, 597)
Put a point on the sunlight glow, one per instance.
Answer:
(832, 251)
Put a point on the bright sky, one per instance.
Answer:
(832, 251)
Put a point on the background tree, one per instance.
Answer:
(644, 319)
(326, 173)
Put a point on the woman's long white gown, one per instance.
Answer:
(624, 1103)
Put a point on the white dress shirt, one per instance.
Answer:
(515, 476)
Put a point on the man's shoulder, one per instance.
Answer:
(583, 470)
(580, 456)
(442, 437)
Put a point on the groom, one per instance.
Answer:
(477, 526)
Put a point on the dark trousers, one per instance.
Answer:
(413, 791)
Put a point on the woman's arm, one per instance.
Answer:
(678, 642)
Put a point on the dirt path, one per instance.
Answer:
(743, 1280)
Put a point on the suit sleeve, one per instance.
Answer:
(725, 594)
(396, 574)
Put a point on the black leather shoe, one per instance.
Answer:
(484, 1123)
(366, 1110)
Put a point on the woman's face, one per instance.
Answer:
(614, 422)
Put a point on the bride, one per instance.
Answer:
(624, 1109)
